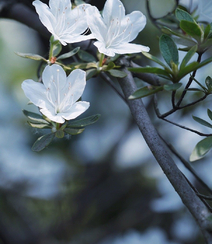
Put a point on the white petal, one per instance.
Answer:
(76, 82)
(73, 39)
(96, 24)
(35, 92)
(49, 113)
(113, 9)
(137, 23)
(59, 6)
(102, 49)
(129, 48)
(74, 111)
(45, 15)
(52, 74)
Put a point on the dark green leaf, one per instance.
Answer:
(188, 69)
(188, 56)
(85, 56)
(69, 54)
(35, 118)
(72, 131)
(43, 142)
(201, 149)
(90, 73)
(59, 134)
(168, 49)
(83, 122)
(191, 29)
(117, 73)
(145, 91)
(172, 87)
(109, 66)
(209, 113)
(78, 2)
(208, 82)
(207, 31)
(153, 58)
(31, 56)
(202, 121)
(183, 15)
(153, 70)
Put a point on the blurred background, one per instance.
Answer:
(102, 186)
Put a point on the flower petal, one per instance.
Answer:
(74, 111)
(113, 9)
(45, 15)
(58, 7)
(137, 23)
(129, 48)
(35, 92)
(102, 49)
(49, 113)
(76, 82)
(96, 24)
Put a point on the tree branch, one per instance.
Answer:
(158, 149)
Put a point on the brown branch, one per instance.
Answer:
(158, 149)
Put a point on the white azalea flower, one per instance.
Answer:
(57, 96)
(114, 29)
(65, 24)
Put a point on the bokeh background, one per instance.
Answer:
(102, 186)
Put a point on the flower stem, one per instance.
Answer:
(57, 126)
(101, 60)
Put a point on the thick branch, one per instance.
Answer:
(176, 178)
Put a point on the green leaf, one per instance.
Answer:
(90, 73)
(191, 29)
(201, 149)
(153, 70)
(85, 56)
(202, 121)
(203, 63)
(39, 126)
(57, 47)
(109, 66)
(83, 122)
(43, 142)
(188, 69)
(84, 65)
(188, 56)
(117, 73)
(35, 118)
(153, 58)
(208, 82)
(207, 30)
(168, 49)
(145, 91)
(69, 54)
(183, 15)
(59, 134)
(31, 56)
(73, 132)
(209, 113)
(78, 2)
(172, 87)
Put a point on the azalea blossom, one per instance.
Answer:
(57, 96)
(65, 24)
(114, 30)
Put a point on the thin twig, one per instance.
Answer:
(106, 78)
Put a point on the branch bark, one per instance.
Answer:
(196, 207)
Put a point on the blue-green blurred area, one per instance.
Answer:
(100, 187)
